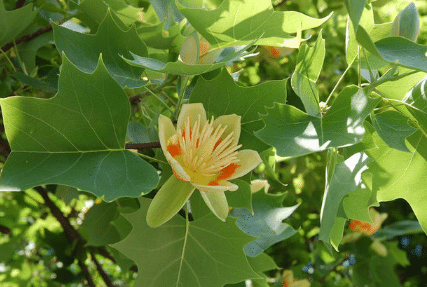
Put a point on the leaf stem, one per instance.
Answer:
(359, 65)
(339, 81)
(151, 158)
(157, 97)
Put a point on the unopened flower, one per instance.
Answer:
(366, 227)
(196, 50)
(203, 155)
(289, 281)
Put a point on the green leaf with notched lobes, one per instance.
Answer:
(76, 138)
(205, 252)
(14, 22)
(295, 133)
(222, 96)
(265, 221)
(393, 128)
(236, 22)
(398, 174)
(112, 42)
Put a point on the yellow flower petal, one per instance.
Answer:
(233, 125)
(258, 184)
(192, 111)
(222, 186)
(217, 203)
(188, 52)
(248, 160)
(166, 131)
(177, 169)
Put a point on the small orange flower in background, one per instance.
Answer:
(289, 281)
(366, 227)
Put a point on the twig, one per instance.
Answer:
(143, 146)
(19, 4)
(28, 37)
(101, 271)
(89, 279)
(137, 98)
(4, 229)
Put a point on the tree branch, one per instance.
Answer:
(70, 232)
(101, 271)
(143, 146)
(27, 38)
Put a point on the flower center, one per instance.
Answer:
(203, 148)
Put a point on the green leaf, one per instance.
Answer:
(416, 103)
(28, 50)
(399, 88)
(398, 254)
(398, 229)
(76, 138)
(235, 22)
(205, 252)
(265, 222)
(303, 81)
(110, 41)
(97, 9)
(156, 37)
(14, 22)
(393, 128)
(397, 174)
(355, 10)
(167, 10)
(181, 68)
(104, 225)
(407, 23)
(242, 197)
(343, 178)
(294, 133)
(221, 96)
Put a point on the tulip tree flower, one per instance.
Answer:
(203, 155)
(196, 50)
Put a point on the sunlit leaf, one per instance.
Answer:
(76, 138)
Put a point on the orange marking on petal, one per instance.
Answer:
(217, 144)
(275, 52)
(225, 173)
(204, 47)
(174, 149)
(364, 227)
(285, 283)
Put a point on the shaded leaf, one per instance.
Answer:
(221, 96)
(393, 128)
(184, 253)
(76, 138)
(14, 22)
(110, 41)
(265, 222)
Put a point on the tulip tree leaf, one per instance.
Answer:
(391, 49)
(398, 174)
(97, 9)
(76, 138)
(205, 252)
(393, 128)
(14, 22)
(295, 133)
(110, 41)
(104, 225)
(416, 103)
(265, 222)
(303, 81)
(343, 178)
(167, 10)
(236, 22)
(222, 96)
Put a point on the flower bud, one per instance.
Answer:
(407, 23)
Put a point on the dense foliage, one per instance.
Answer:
(213, 143)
